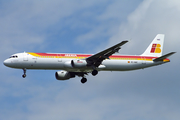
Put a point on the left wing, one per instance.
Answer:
(96, 59)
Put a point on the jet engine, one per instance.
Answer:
(75, 64)
(64, 75)
(78, 63)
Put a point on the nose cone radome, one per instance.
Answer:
(7, 62)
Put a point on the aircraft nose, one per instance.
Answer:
(7, 62)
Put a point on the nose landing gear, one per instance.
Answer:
(24, 75)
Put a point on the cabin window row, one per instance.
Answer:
(124, 58)
(45, 56)
(58, 57)
(85, 57)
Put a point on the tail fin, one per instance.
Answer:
(156, 47)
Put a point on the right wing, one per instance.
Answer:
(96, 59)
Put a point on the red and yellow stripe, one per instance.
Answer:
(83, 56)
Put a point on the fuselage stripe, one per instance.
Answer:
(83, 56)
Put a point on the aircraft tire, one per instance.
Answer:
(83, 80)
(94, 72)
(24, 75)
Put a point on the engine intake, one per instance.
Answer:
(64, 75)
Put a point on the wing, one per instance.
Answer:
(96, 59)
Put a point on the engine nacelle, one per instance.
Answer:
(75, 64)
(68, 64)
(64, 75)
(79, 63)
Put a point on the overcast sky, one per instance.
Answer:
(89, 26)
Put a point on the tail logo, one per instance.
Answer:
(156, 48)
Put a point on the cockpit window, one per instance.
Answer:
(14, 56)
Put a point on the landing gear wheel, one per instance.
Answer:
(83, 80)
(94, 72)
(24, 75)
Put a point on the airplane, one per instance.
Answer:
(72, 65)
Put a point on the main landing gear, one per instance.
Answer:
(84, 80)
(94, 72)
(24, 75)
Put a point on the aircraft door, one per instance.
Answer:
(25, 57)
(59, 58)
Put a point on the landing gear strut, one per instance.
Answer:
(83, 80)
(94, 72)
(24, 75)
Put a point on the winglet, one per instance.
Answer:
(163, 57)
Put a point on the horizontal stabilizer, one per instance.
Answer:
(163, 57)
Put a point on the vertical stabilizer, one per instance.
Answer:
(156, 47)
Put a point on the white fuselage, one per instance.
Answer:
(72, 65)
(30, 61)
